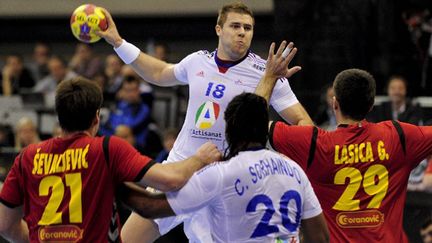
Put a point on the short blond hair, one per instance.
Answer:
(236, 7)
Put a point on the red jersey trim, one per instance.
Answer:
(8, 204)
(144, 170)
(272, 126)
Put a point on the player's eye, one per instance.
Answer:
(235, 26)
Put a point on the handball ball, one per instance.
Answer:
(85, 20)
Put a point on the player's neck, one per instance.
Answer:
(224, 56)
(254, 145)
(67, 135)
(346, 121)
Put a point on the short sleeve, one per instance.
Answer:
(180, 69)
(292, 141)
(418, 142)
(282, 96)
(205, 185)
(126, 163)
(12, 193)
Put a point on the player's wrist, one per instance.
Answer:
(270, 77)
(200, 160)
(127, 51)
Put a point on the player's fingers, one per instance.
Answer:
(291, 55)
(287, 50)
(271, 50)
(108, 16)
(281, 48)
(293, 71)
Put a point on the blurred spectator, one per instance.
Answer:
(169, 137)
(161, 51)
(25, 133)
(145, 89)
(113, 67)
(130, 111)
(126, 133)
(325, 117)
(39, 64)
(57, 72)
(15, 76)
(426, 231)
(399, 107)
(84, 62)
(6, 136)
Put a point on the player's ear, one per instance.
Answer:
(218, 29)
(96, 120)
(335, 103)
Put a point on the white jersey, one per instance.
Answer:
(257, 196)
(210, 91)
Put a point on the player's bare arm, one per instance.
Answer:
(145, 203)
(315, 229)
(172, 176)
(296, 114)
(277, 67)
(149, 68)
(12, 227)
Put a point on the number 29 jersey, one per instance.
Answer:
(359, 173)
(256, 196)
(211, 88)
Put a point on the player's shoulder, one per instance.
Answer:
(256, 62)
(203, 54)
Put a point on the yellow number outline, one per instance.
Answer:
(50, 215)
(346, 201)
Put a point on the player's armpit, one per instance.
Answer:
(315, 229)
(145, 203)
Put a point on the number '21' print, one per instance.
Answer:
(264, 227)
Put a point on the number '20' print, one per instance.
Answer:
(264, 228)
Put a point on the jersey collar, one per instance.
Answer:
(223, 65)
(362, 123)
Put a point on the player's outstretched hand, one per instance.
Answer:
(111, 34)
(208, 153)
(277, 64)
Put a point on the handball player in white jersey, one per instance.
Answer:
(214, 78)
(255, 195)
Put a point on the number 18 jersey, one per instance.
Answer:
(256, 196)
(211, 88)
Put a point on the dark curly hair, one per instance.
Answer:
(246, 122)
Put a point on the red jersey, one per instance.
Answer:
(67, 187)
(359, 173)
